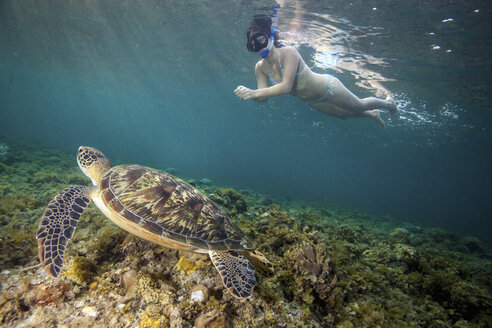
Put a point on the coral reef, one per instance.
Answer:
(333, 267)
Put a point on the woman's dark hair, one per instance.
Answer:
(263, 24)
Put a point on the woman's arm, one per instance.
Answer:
(290, 63)
(261, 79)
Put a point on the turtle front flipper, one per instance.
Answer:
(238, 275)
(57, 225)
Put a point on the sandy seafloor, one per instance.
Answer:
(333, 267)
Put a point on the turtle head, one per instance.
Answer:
(93, 163)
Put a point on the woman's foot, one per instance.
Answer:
(375, 115)
(391, 107)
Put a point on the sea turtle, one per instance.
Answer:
(153, 205)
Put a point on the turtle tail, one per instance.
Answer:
(57, 225)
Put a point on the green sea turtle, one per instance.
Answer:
(153, 205)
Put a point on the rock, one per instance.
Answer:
(217, 322)
(208, 321)
(400, 235)
(128, 281)
(199, 293)
(473, 244)
(89, 311)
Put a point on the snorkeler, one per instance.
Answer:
(284, 67)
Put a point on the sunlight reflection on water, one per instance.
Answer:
(336, 45)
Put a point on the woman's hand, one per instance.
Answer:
(245, 93)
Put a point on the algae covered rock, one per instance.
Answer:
(230, 199)
(205, 181)
(400, 235)
(4, 151)
(473, 244)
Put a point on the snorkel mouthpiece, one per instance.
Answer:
(265, 52)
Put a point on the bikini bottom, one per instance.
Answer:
(328, 92)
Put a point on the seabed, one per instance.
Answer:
(333, 267)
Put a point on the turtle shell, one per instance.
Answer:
(169, 207)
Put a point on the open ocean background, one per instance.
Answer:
(151, 82)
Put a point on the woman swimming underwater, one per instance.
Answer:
(284, 67)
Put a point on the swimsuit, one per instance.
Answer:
(329, 91)
(272, 80)
(329, 87)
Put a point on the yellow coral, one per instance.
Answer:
(190, 265)
(93, 286)
(152, 320)
(79, 269)
(269, 316)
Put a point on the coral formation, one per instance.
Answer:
(312, 262)
(333, 267)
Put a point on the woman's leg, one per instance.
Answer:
(330, 109)
(333, 110)
(344, 98)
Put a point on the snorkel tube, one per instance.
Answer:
(274, 18)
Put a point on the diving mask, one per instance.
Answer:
(262, 41)
(257, 42)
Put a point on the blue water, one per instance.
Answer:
(152, 82)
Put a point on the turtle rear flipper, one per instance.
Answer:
(260, 262)
(238, 275)
(57, 225)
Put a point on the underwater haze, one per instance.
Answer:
(151, 82)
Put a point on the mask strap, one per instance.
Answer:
(274, 18)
